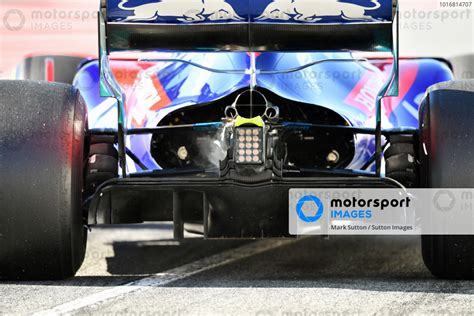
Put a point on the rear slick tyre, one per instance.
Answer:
(42, 130)
(446, 144)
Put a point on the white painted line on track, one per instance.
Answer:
(161, 279)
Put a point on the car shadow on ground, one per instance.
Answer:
(373, 263)
(162, 255)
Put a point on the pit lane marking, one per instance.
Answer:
(164, 278)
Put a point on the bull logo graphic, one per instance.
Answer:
(184, 11)
(315, 10)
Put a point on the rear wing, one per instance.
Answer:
(249, 25)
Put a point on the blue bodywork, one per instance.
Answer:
(349, 88)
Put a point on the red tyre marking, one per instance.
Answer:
(49, 69)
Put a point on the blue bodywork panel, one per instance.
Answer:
(154, 89)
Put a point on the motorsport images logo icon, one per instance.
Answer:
(14, 20)
(307, 206)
